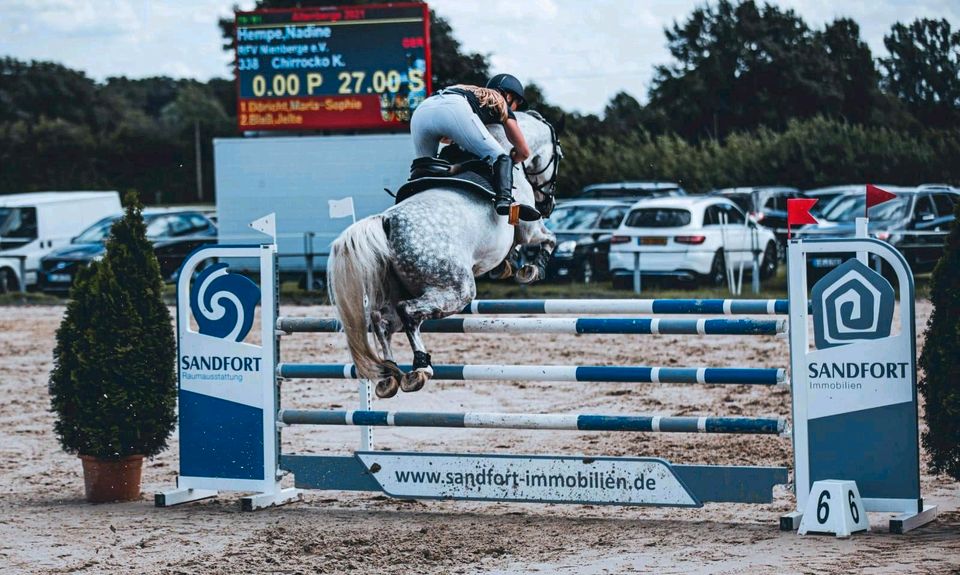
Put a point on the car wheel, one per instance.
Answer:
(718, 271)
(8, 281)
(768, 265)
(586, 272)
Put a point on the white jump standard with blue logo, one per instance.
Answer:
(851, 422)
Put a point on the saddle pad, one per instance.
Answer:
(469, 182)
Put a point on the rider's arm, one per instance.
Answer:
(520, 150)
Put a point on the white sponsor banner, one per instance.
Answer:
(221, 368)
(645, 481)
(858, 376)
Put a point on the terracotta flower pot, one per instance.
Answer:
(112, 479)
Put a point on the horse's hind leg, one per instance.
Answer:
(434, 303)
(390, 372)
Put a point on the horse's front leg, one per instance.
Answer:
(535, 233)
(433, 304)
(422, 369)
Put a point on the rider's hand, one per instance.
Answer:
(519, 156)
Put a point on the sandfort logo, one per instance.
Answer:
(223, 303)
(851, 303)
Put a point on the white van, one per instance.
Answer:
(33, 224)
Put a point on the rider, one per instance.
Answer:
(460, 113)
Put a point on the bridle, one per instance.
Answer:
(549, 187)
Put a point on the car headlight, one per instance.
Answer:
(565, 248)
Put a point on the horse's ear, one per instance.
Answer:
(561, 124)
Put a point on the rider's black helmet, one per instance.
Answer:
(509, 83)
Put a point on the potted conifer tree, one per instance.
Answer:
(113, 386)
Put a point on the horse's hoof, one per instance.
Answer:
(528, 274)
(414, 380)
(388, 387)
(390, 369)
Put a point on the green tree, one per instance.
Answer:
(33, 90)
(623, 114)
(852, 72)
(739, 66)
(113, 386)
(195, 104)
(940, 360)
(923, 69)
(148, 95)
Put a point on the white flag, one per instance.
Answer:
(342, 208)
(266, 225)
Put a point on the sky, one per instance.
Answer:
(580, 52)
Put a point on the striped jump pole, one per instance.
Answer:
(650, 423)
(630, 306)
(583, 373)
(629, 326)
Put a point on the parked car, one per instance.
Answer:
(35, 223)
(825, 196)
(174, 233)
(766, 205)
(922, 209)
(685, 238)
(631, 191)
(583, 229)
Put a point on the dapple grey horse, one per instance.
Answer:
(418, 260)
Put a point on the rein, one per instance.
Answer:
(554, 160)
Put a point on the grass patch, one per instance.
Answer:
(30, 298)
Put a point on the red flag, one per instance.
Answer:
(798, 211)
(877, 196)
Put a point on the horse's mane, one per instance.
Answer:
(536, 115)
(546, 133)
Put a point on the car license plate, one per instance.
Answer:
(59, 278)
(652, 241)
(826, 262)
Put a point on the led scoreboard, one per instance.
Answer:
(347, 67)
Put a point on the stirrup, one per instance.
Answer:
(518, 211)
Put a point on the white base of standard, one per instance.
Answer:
(907, 521)
(263, 500)
(178, 496)
(899, 524)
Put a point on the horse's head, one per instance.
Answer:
(543, 165)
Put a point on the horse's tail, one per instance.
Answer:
(358, 269)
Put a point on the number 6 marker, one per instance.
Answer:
(834, 506)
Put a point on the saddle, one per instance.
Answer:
(458, 169)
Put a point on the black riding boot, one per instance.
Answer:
(503, 180)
